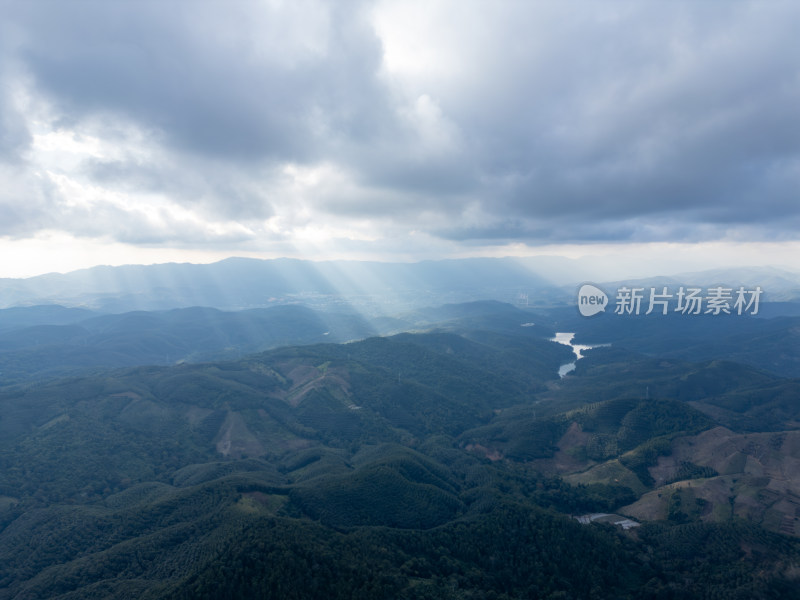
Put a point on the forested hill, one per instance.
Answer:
(42, 342)
(411, 466)
(50, 341)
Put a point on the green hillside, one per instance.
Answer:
(430, 465)
(49, 342)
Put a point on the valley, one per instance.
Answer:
(391, 459)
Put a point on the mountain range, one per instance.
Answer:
(371, 288)
(309, 448)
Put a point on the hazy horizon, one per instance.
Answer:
(596, 268)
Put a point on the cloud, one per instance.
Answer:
(549, 122)
(239, 81)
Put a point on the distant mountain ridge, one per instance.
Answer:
(777, 285)
(238, 283)
(47, 341)
(43, 342)
(372, 288)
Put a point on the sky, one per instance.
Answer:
(664, 134)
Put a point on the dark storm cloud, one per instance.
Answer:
(196, 183)
(210, 76)
(14, 136)
(695, 123)
(536, 122)
(631, 120)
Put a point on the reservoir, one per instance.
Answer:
(578, 349)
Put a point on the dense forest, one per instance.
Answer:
(449, 463)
